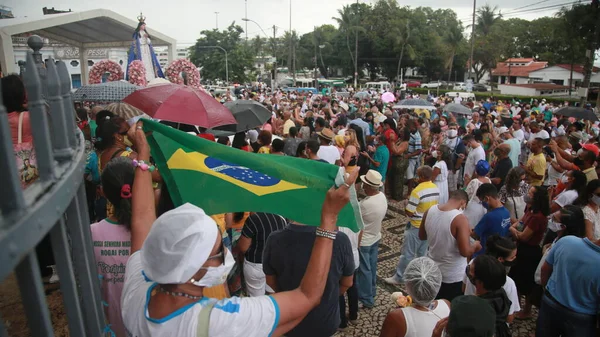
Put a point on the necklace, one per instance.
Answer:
(173, 293)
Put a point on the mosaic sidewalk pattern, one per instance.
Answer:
(370, 320)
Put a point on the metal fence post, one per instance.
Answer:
(39, 121)
(57, 114)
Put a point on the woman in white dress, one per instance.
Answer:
(141, 49)
(475, 211)
(440, 171)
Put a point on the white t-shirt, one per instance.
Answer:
(235, 316)
(475, 155)
(329, 153)
(566, 198)
(373, 211)
(353, 242)
(540, 134)
(520, 135)
(594, 218)
(509, 287)
(458, 99)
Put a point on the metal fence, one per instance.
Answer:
(55, 204)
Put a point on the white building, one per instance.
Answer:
(162, 54)
(534, 89)
(561, 74)
(516, 70)
(70, 55)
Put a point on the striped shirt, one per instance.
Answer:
(258, 227)
(425, 195)
(414, 143)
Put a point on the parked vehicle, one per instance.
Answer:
(431, 85)
(460, 86)
(479, 87)
(413, 84)
(381, 86)
(463, 95)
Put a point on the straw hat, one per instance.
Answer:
(372, 178)
(326, 134)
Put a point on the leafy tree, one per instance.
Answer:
(239, 56)
(453, 40)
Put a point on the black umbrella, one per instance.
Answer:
(579, 113)
(248, 114)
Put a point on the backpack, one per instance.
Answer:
(26, 158)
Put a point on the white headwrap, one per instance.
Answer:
(178, 244)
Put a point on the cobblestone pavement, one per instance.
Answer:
(371, 320)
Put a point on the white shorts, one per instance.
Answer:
(256, 281)
(411, 171)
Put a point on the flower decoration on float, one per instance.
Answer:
(137, 73)
(114, 70)
(176, 70)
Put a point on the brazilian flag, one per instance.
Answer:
(221, 179)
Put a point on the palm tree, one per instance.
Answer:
(486, 18)
(349, 23)
(401, 37)
(453, 40)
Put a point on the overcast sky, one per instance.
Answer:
(184, 19)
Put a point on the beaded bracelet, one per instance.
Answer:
(143, 165)
(326, 234)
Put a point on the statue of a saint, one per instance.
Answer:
(141, 49)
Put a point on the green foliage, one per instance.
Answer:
(240, 56)
(392, 38)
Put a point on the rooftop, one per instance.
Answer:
(508, 67)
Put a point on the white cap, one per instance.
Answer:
(178, 244)
(502, 130)
(252, 136)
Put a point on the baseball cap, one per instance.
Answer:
(179, 243)
(482, 168)
(471, 316)
(592, 148)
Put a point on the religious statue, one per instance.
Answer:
(141, 49)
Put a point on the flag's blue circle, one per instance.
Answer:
(240, 173)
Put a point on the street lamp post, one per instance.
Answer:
(226, 62)
(267, 36)
(217, 20)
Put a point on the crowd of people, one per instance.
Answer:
(503, 208)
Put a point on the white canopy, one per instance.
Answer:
(97, 28)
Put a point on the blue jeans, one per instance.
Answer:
(411, 248)
(366, 276)
(556, 320)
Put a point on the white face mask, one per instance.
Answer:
(216, 275)
(452, 133)
(555, 226)
(442, 123)
(564, 179)
(434, 154)
(596, 200)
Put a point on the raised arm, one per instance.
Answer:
(143, 210)
(294, 305)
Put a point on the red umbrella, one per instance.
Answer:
(181, 104)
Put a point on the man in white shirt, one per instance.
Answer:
(457, 99)
(288, 123)
(447, 232)
(537, 132)
(373, 209)
(328, 152)
(476, 154)
(518, 131)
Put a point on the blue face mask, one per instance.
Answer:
(485, 204)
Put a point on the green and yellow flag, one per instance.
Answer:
(221, 179)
